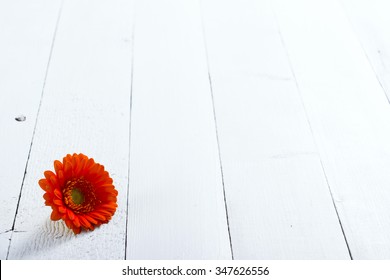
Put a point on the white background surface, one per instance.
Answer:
(248, 129)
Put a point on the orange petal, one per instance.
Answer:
(55, 216)
(43, 183)
(90, 219)
(48, 174)
(84, 222)
(88, 165)
(97, 216)
(68, 158)
(74, 162)
(61, 179)
(105, 212)
(100, 169)
(111, 198)
(76, 230)
(48, 197)
(103, 180)
(82, 156)
(58, 202)
(58, 194)
(70, 214)
(109, 206)
(80, 166)
(76, 221)
(58, 166)
(68, 223)
(54, 181)
(107, 186)
(67, 170)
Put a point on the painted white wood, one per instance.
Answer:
(26, 34)
(349, 115)
(176, 204)
(85, 108)
(4, 244)
(371, 22)
(279, 204)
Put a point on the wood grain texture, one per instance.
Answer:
(176, 204)
(5, 238)
(371, 23)
(26, 34)
(279, 203)
(349, 115)
(85, 108)
(251, 129)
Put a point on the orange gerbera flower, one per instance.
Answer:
(80, 192)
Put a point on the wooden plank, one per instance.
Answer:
(176, 204)
(279, 204)
(349, 116)
(5, 238)
(85, 108)
(26, 35)
(371, 23)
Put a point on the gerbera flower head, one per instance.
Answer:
(80, 192)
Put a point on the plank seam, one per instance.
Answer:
(36, 121)
(216, 129)
(311, 129)
(363, 49)
(131, 110)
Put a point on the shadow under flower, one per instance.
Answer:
(40, 243)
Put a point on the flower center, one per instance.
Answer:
(79, 195)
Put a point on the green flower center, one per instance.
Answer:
(77, 196)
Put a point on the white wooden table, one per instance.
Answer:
(244, 129)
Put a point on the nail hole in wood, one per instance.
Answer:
(20, 118)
